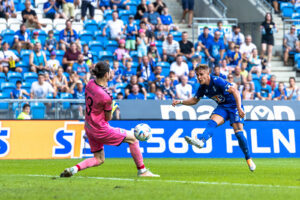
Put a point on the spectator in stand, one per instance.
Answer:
(70, 57)
(159, 5)
(18, 92)
(192, 80)
(254, 61)
(69, 8)
(268, 28)
(67, 36)
(149, 33)
(235, 57)
(236, 36)
(53, 64)
(87, 55)
(82, 69)
(115, 26)
(187, 49)
(8, 60)
(152, 50)
(40, 89)
(51, 11)
(127, 73)
(145, 69)
(35, 38)
(22, 39)
(159, 95)
(166, 20)
(204, 39)
(169, 92)
(170, 49)
(222, 31)
(215, 50)
(275, 5)
(152, 17)
(280, 92)
(104, 5)
(131, 32)
(238, 78)
(38, 60)
(7, 9)
(174, 79)
(230, 80)
(88, 4)
(141, 9)
(292, 91)
(60, 82)
(25, 114)
(188, 7)
(134, 81)
(290, 44)
(244, 72)
(161, 34)
(121, 53)
(78, 92)
(156, 80)
(272, 82)
(51, 43)
(117, 72)
(142, 42)
(264, 91)
(224, 68)
(184, 90)
(120, 4)
(248, 93)
(135, 94)
(179, 67)
(247, 47)
(217, 72)
(29, 17)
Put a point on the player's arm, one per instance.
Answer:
(108, 115)
(237, 97)
(187, 102)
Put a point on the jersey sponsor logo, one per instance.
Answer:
(4, 144)
(218, 98)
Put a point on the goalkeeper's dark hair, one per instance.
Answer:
(101, 69)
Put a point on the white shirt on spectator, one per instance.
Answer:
(179, 70)
(237, 39)
(7, 54)
(115, 28)
(247, 48)
(184, 92)
(53, 64)
(170, 48)
(41, 91)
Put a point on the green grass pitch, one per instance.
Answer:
(180, 179)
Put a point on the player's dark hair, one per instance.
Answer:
(292, 78)
(25, 106)
(201, 67)
(205, 28)
(100, 69)
(219, 22)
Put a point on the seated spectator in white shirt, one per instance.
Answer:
(8, 60)
(184, 90)
(290, 44)
(179, 67)
(236, 36)
(170, 49)
(40, 89)
(53, 64)
(247, 47)
(116, 27)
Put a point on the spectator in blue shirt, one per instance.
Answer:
(50, 10)
(215, 50)
(222, 32)
(67, 36)
(131, 32)
(204, 39)
(156, 79)
(77, 90)
(128, 72)
(264, 91)
(167, 21)
(104, 5)
(18, 92)
(217, 72)
(120, 4)
(152, 17)
(135, 93)
(22, 39)
(81, 68)
(235, 57)
(280, 92)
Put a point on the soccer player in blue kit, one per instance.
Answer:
(229, 108)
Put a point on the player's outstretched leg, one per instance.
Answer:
(136, 154)
(97, 160)
(238, 129)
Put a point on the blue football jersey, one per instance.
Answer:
(217, 90)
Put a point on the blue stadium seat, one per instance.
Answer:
(287, 9)
(297, 8)
(90, 25)
(25, 66)
(37, 110)
(99, 37)
(134, 66)
(26, 86)
(13, 77)
(42, 35)
(163, 65)
(59, 55)
(67, 75)
(120, 87)
(134, 56)
(7, 87)
(8, 36)
(114, 95)
(296, 16)
(150, 96)
(96, 46)
(20, 7)
(106, 55)
(102, 24)
(30, 77)
(47, 53)
(4, 105)
(56, 34)
(159, 47)
(66, 105)
(132, 6)
(137, 22)
(165, 71)
(176, 35)
(95, 56)
(86, 36)
(111, 46)
(108, 15)
(124, 15)
(25, 55)
(297, 57)
(2, 77)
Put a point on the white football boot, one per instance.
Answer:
(195, 142)
(251, 165)
(146, 173)
(68, 172)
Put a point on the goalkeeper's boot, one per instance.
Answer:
(195, 142)
(68, 172)
(251, 165)
(146, 173)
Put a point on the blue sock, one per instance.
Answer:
(243, 144)
(209, 131)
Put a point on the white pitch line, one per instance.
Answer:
(172, 181)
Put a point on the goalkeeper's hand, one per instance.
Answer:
(114, 106)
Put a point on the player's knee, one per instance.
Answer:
(100, 160)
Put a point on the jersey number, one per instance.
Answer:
(89, 102)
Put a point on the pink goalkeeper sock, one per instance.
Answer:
(90, 162)
(136, 155)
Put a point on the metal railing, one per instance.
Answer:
(265, 5)
(220, 6)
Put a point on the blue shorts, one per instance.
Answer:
(229, 113)
(188, 4)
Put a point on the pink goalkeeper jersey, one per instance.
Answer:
(97, 100)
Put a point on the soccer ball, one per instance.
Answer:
(142, 132)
